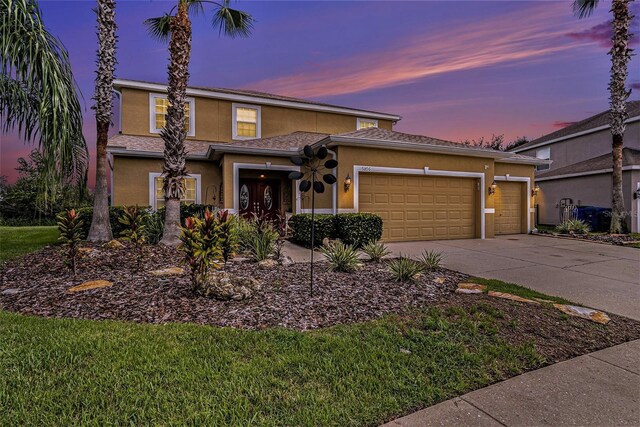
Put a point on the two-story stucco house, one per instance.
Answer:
(581, 166)
(240, 143)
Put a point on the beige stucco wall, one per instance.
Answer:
(213, 118)
(131, 179)
(528, 171)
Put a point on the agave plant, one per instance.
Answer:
(375, 251)
(341, 257)
(405, 269)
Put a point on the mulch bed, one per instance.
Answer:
(610, 239)
(39, 284)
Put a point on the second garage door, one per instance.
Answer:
(420, 207)
(508, 200)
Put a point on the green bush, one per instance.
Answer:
(341, 257)
(301, 228)
(405, 269)
(262, 244)
(358, 229)
(375, 251)
(154, 227)
(190, 210)
(573, 226)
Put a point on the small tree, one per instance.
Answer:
(70, 226)
(200, 244)
(133, 219)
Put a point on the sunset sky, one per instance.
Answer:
(452, 69)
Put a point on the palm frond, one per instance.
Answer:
(159, 28)
(195, 7)
(38, 94)
(232, 22)
(584, 8)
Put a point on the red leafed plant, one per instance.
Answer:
(70, 228)
(200, 244)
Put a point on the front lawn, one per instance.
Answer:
(15, 241)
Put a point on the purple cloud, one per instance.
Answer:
(635, 85)
(601, 34)
(561, 124)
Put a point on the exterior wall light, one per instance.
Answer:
(492, 189)
(535, 190)
(347, 183)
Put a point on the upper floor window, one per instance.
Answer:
(246, 121)
(158, 105)
(544, 154)
(156, 193)
(367, 123)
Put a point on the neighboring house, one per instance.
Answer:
(581, 166)
(240, 143)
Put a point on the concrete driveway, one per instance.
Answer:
(597, 275)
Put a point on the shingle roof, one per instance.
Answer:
(291, 141)
(154, 144)
(600, 119)
(389, 135)
(630, 157)
(260, 94)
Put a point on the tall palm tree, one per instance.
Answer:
(177, 25)
(100, 230)
(38, 96)
(620, 56)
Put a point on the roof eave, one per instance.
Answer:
(570, 136)
(411, 146)
(151, 154)
(120, 83)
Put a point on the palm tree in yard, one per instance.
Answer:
(38, 97)
(100, 230)
(620, 56)
(176, 25)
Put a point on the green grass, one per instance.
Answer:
(15, 241)
(512, 288)
(76, 372)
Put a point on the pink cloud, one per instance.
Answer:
(561, 124)
(517, 36)
(601, 34)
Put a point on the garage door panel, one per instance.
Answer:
(508, 208)
(422, 207)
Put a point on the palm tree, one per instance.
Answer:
(100, 230)
(620, 56)
(177, 25)
(38, 97)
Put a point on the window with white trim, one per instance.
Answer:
(158, 105)
(366, 123)
(543, 154)
(246, 121)
(156, 193)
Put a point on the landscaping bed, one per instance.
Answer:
(631, 240)
(372, 349)
(39, 285)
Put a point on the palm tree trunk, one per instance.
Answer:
(174, 132)
(100, 230)
(620, 56)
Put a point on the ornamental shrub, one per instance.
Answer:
(69, 225)
(573, 226)
(115, 213)
(341, 257)
(375, 251)
(358, 229)
(301, 228)
(405, 269)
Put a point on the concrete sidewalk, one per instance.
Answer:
(598, 389)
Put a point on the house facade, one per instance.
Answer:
(580, 171)
(240, 143)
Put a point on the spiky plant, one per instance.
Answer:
(341, 257)
(176, 26)
(100, 230)
(133, 219)
(573, 226)
(618, 95)
(405, 269)
(39, 97)
(375, 251)
(431, 259)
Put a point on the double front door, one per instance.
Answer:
(260, 197)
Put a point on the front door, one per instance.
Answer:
(260, 197)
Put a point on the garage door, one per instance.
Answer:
(420, 207)
(508, 203)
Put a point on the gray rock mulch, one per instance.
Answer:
(39, 284)
(611, 239)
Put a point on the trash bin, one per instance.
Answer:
(599, 219)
